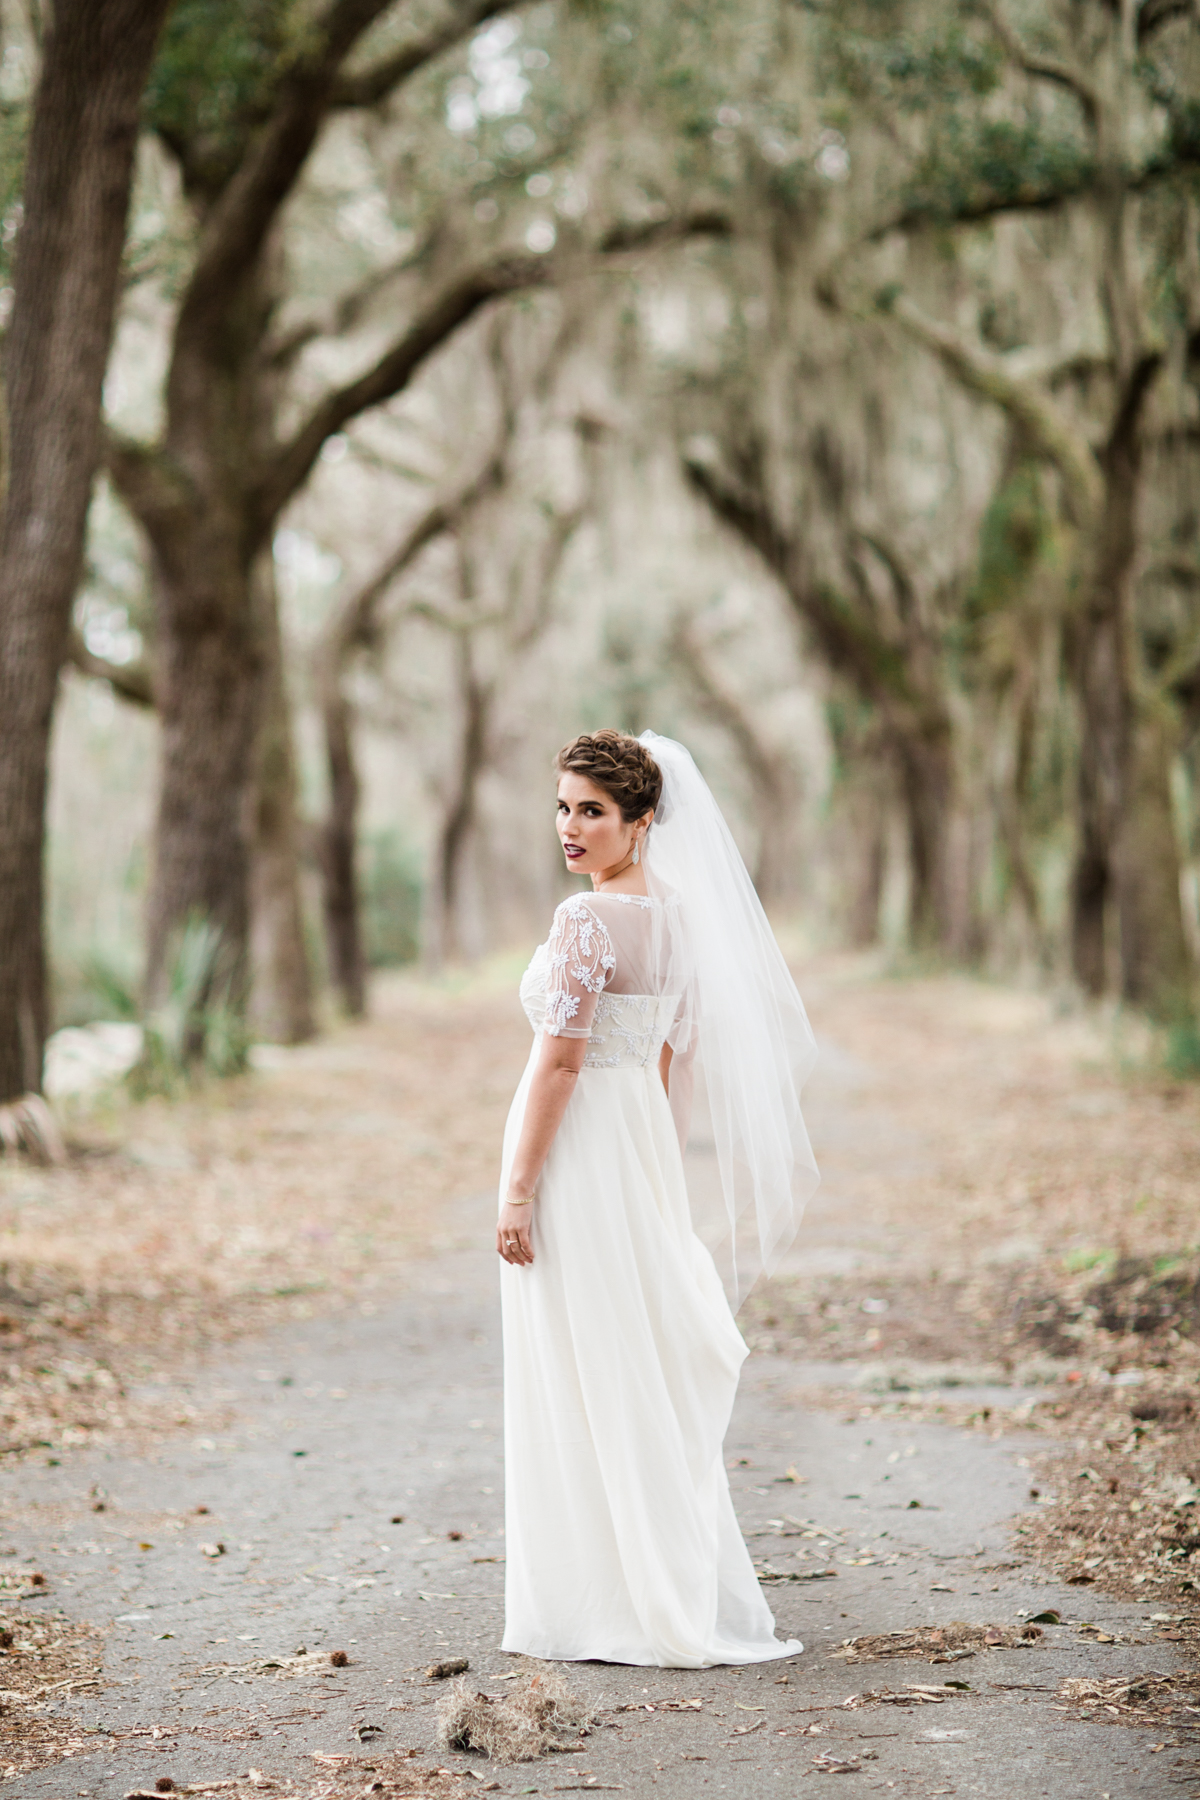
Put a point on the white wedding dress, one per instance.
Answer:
(621, 1355)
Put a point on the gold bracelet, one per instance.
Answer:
(528, 1201)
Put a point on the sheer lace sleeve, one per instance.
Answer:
(581, 964)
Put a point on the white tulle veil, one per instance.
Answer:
(741, 1029)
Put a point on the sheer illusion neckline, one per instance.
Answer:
(627, 899)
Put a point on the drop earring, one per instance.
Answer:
(637, 855)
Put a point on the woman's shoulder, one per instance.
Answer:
(577, 911)
(607, 899)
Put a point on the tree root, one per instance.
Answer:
(28, 1124)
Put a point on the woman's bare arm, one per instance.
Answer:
(553, 1083)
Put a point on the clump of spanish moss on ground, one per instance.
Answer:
(533, 1719)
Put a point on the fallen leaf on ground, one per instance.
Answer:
(940, 1643)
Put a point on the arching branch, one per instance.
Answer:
(370, 85)
(991, 377)
(130, 681)
(1056, 69)
(462, 296)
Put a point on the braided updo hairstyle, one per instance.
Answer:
(620, 765)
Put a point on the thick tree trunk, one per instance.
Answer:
(459, 820)
(80, 161)
(1101, 683)
(860, 855)
(1127, 858)
(211, 679)
(926, 765)
(281, 982)
(194, 499)
(1156, 963)
(900, 675)
(339, 851)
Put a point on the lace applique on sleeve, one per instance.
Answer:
(580, 965)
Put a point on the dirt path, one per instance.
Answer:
(307, 1442)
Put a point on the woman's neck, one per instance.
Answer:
(627, 878)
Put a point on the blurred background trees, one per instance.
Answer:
(818, 385)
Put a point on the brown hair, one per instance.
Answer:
(620, 765)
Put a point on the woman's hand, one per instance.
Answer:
(514, 1241)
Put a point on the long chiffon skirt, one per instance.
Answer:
(621, 1360)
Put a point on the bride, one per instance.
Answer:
(662, 1011)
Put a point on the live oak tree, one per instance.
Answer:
(502, 529)
(239, 435)
(1083, 114)
(239, 98)
(75, 194)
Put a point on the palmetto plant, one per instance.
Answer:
(195, 1028)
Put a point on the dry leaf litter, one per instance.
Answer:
(1044, 1236)
(44, 1657)
(542, 1715)
(181, 1224)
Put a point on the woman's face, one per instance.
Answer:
(594, 835)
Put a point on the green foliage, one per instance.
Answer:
(1183, 136)
(391, 900)
(217, 70)
(197, 1028)
(1182, 1054)
(1013, 537)
(1078, 1262)
(911, 70)
(114, 986)
(973, 165)
(14, 130)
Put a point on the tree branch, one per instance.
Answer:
(448, 309)
(367, 87)
(850, 644)
(991, 377)
(149, 485)
(237, 225)
(353, 625)
(1154, 14)
(338, 316)
(1045, 68)
(1126, 422)
(722, 705)
(131, 681)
